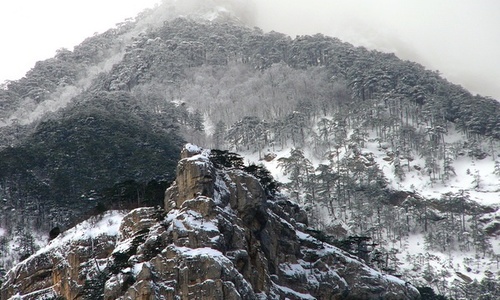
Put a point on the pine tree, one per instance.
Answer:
(398, 169)
(219, 135)
(477, 182)
(300, 172)
(497, 168)
(296, 166)
(326, 186)
(26, 245)
(196, 121)
(265, 178)
(448, 169)
(93, 287)
(489, 287)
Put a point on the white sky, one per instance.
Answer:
(460, 38)
(32, 30)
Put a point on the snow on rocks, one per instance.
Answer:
(44, 272)
(230, 244)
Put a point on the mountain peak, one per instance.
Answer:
(238, 12)
(219, 237)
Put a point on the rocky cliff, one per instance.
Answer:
(218, 237)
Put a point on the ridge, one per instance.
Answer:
(219, 236)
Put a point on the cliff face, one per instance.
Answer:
(217, 238)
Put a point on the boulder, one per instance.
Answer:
(218, 237)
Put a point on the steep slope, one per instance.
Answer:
(377, 136)
(95, 153)
(219, 237)
(444, 235)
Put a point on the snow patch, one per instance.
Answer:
(205, 251)
(191, 148)
(196, 220)
(124, 246)
(136, 269)
(105, 224)
(297, 295)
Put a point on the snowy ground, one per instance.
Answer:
(107, 224)
(467, 170)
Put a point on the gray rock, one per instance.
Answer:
(218, 238)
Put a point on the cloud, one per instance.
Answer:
(457, 37)
(244, 10)
(32, 30)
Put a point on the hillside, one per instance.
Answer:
(370, 145)
(228, 241)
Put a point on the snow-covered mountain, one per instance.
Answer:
(377, 150)
(220, 236)
(474, 179)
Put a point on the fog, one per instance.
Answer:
(460, 38)
(32, 30)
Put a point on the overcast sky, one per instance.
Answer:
(32, 30)
(460, 38)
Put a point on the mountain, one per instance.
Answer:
(219, 237)
(374, 148)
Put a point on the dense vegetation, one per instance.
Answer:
(103, 124)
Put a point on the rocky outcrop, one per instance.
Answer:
(218, 237)
(63, 266)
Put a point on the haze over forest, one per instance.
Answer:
(458, 38)
(381, 157)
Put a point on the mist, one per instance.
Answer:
(32, 30)
(459, 38)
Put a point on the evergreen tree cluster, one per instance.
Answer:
(103, 124)
(228, 160)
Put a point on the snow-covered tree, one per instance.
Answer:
(219, 134)
(497, 168)
(25, 242)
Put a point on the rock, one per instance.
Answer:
(270, 156)
(195, 176)
(219, 237)
(61, 268)
(247, 195)
(493, 228)
(139, 220)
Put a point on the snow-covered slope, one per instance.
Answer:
(220, 237)
(475, 179)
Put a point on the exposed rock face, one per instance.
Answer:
(61, 268)
(218, 238)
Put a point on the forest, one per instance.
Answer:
(103, 124)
